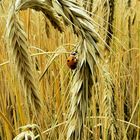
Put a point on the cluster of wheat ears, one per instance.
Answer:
(45, 100)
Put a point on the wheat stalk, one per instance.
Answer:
(88, 54)
(19, 54)
(81, 91)
(82, 81)
(108, 10)
(109, 105)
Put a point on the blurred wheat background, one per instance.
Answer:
(41, 98)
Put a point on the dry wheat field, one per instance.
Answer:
(69, 69)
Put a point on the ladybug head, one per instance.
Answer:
(74, 53)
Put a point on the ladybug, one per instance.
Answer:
(72, 61)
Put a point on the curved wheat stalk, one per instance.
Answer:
(46, 8)
(19, 54)
(88, 53)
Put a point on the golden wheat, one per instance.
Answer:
(91, 102)
(19, 54)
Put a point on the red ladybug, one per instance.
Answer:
(72, 61)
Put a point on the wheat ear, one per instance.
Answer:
(19, 54)
(109, 106)
(81, 91)
(88, 53)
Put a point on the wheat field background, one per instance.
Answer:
(42, 98)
